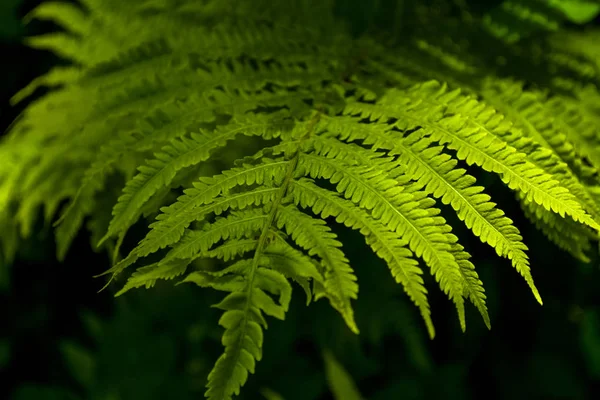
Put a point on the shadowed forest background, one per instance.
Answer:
(60, 339)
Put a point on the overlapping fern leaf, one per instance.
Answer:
(241, 133)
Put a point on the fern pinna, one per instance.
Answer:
(240, 127)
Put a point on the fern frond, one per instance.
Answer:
(564, 232)
(364, 131)
(179, 154)
(579, 126)
(206, 193)
(68, 16)
(148, 275)
(56, 77)
(428, 236)
(314, 236)
(532, 113)
(438, 175)
(195, 244)
(475, 132)
(294, 265)
(243, 323)
(203, 200)
(472, 206)
(232, 248)
(230, 371)
(70, 225)
(82, 41)
(514, 19)
(166, 233)
(473, 287)
(236, 225)
(387, 244)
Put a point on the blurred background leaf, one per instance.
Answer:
(339, 380)
(590, 342)
(578, 11)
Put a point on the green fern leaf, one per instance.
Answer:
(237, 225)
(147, 276)
(428, 235)
(243, 322)
(387, 244)
(181, 153)
(294, 265)
(477, 140)
(437, 174)
(315, 237)
(473, 287)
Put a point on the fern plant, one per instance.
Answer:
(236, 130)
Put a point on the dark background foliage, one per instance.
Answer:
(60, 339)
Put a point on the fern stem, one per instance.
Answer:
(263, 239)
